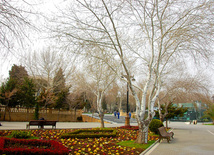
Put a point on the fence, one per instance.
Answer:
(27, 114)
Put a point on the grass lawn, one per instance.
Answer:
(123, 143)
(131, 143)
(209, 124)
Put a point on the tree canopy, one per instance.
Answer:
(152, 36)
(171, 111)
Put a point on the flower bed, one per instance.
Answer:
(91, 146)
(129, 127)
(12, 146)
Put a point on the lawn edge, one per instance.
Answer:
(153, 146)
(149, 148)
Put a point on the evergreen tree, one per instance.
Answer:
(18, 73)
(26, 93)
(172, 111)
(61, 99)
(209, 113)
(36, 114)
(58, 82)
(7, 96)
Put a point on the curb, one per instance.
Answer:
(152, 147)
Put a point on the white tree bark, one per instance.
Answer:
(154, 33)
(100, 79)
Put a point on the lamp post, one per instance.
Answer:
(127, 119)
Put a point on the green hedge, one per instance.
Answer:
(20, 134)
(90, 133)
(129, 127)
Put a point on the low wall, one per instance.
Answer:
(23, 114)
(86, 118)
(125, 114)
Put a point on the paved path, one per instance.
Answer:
(112, 119)
(113, 122)
(188, 140)
(59, 125)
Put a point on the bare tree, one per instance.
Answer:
(13, 21)
(113, 99)
(154, 33)
(44, 65)
(99, 79)
(182, 90)
(7, 96)
(47, 98)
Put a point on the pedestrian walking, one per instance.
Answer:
(115, 113)
(118, 115)
(130, 115)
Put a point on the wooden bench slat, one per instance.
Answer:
(41, 123)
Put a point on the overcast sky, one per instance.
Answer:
(38, 41)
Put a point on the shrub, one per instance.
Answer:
(205, 120)
(20, 134)
(79, 119)
(154, 125)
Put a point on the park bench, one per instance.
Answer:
(50, 123)
(164, 134)
(41, 123)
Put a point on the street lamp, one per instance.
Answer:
(127, 119)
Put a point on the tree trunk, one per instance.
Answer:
(166, 123)
(161, 118)
(9, 113)
(75, 114)
(27, 114)
(142, 137)
(101, 115)
(58, 115)
(5, 113)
